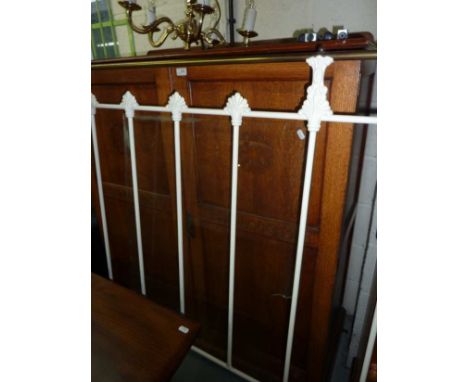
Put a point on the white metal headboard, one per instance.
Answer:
(314, 110)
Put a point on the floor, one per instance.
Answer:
(197, 368)
(341, 372)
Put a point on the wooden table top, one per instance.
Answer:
(134, 339)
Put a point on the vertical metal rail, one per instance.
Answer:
(237, 106)
(232, 238)
(369, 348)
(97, 163)
(314, 108)
(129, 102)
(299, 251)
(180, 234)
(177, 105)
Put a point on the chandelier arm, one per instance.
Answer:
(153, 27)
(215, 32)
(143, 30)
(219, 15)
(162, 38)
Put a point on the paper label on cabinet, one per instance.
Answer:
(181, 72)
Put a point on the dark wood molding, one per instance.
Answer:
(358, 43)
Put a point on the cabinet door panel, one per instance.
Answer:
(271, 160)
(271, 165)
(155, 171)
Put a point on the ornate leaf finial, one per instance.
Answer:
(94, 103)
(237, 106)
(316, 105)
(176, 105)
(129, 102)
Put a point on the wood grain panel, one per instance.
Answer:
(296, 71)
(154, 147)
(271, 165)
(130, 76)
(343, 99)
(134, 339)
(122, 240)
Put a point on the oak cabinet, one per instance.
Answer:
(271, 164)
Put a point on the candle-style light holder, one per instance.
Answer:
(246, 30)
(247, 35)
(190, 30)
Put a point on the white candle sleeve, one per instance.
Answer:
(132, 1)
(249, 20)
(205, 3)
(150, 15)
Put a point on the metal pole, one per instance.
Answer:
(369, 348)
(232, 22)
(136, 203)
(299, 251)
(180, 231)
(339, 118)
(97, 163)
(232, 239)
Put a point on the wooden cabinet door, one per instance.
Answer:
(155, 168)
(271, 164)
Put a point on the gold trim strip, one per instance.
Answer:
(357, 55)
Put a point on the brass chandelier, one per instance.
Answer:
(190, 30)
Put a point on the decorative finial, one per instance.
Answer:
(129, 102)
(316, 106)
(176, 105)
(237, 106)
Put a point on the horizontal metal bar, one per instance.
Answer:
(155, 109)
(109, 106)
(275, 115)
(340, 118)
(196, 110)
(223, 364)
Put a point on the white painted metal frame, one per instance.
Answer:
(369, 348)
(102, 205)
(315, 110)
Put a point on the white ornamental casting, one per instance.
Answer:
(129, 103)
(316, 105)
(237, 106)
(176, 106)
